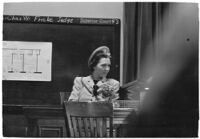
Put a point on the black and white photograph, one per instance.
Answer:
(116, 69)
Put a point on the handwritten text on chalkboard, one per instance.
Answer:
(64, 20)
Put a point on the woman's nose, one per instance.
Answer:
(107, 68)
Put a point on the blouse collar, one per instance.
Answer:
(102, 80)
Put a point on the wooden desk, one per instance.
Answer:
(49, 121)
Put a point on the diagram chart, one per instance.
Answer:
(30, 61)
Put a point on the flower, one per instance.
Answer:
(106, 90)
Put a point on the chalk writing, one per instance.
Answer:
(101, 21)
(26, 18)
(65, 20)
(97, 21)
(43, 19)
(88, 21)
(13, 18)
(62, 20)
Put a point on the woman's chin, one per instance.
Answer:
(104, 75)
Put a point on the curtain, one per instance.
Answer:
(166, 35)
(142, 25)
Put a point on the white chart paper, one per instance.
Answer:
(29, 61)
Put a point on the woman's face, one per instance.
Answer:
(103, 67)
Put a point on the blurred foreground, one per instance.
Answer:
(170, 108)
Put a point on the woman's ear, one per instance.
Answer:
(94, 68)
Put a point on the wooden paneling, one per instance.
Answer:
(51, 128)
(15, 125)
(49, 120)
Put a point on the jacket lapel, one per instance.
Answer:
(88, 83)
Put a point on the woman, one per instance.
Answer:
(96, 87)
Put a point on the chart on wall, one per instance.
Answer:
(27, 61)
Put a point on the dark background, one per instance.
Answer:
(72, 45)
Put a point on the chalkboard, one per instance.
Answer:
(73, 40)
